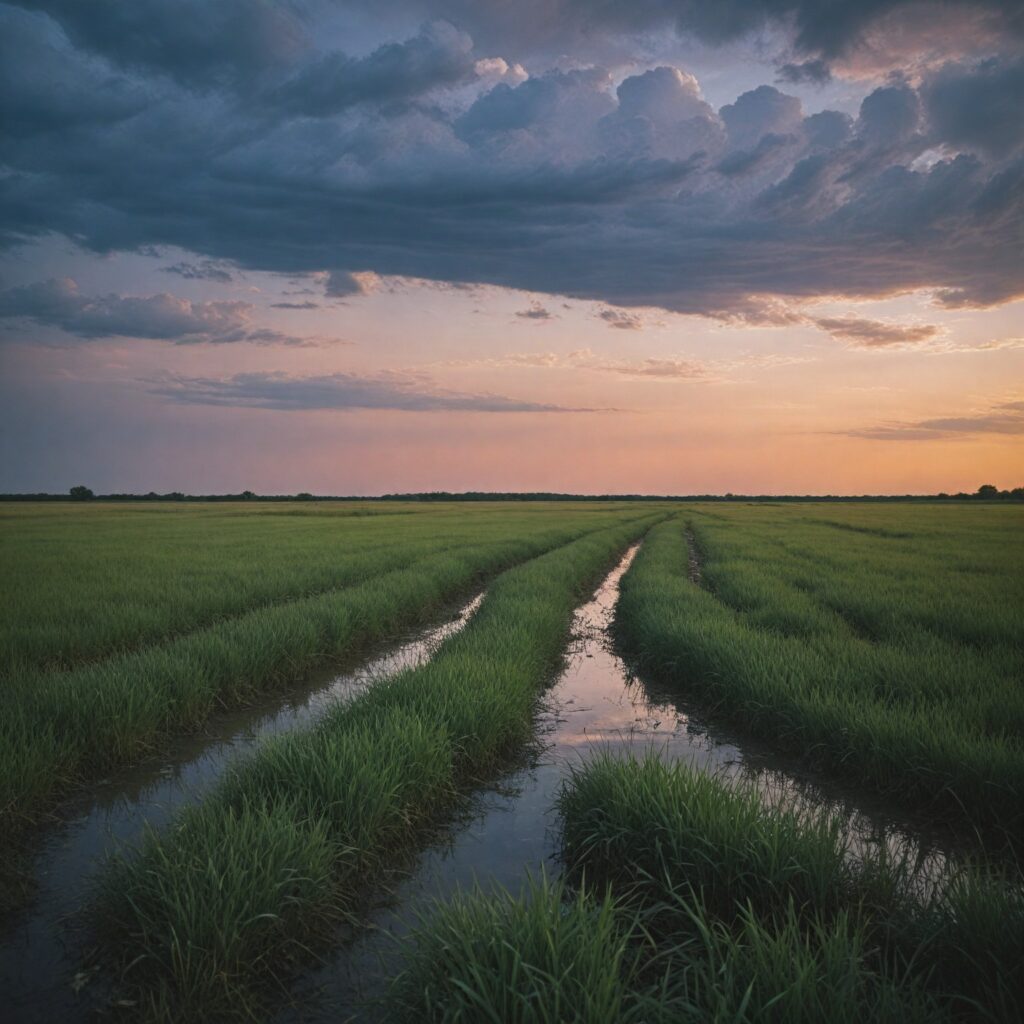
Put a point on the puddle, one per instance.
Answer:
(38, 951)
(595, 703)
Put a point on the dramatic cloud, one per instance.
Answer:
(238, 133)
(439, 56)
(1005, 418)
(406, 392)
(59, 303)
(866, 333)
(855, 35)
(977, 106)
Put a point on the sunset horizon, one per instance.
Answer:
(651, 248)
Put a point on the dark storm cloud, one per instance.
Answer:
(978, 106)
(640, 195)
(192, 41)
(815, 72)
(1005, 418)
(824, 29)
(440, 55)
(163, 317)
(405, 392)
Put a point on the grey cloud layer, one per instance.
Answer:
(1006, 418)
(59, 303)
(257, 148)
(406, 392)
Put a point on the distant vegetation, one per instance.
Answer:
(986, 492)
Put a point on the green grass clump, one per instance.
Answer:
(557, 956)
(705, 904)
(548, 957)
(688, 848)
(373, 774)
(893, 658)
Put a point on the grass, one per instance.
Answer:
(62, 726)
(703, 904)
(679, 843)
(886, 648)
(83, 583)
(367, 782)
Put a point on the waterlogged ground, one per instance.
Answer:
(509, 832)
(41, 955)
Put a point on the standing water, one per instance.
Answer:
(39, 955)
(596, 703)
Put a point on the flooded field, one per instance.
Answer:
(753, 704)
(43, 963)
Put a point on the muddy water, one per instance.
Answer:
(595, 704)
(40, 953)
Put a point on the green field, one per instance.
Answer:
(878, 647)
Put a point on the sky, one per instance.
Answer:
(636, 246)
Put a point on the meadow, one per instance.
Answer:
(879, 648)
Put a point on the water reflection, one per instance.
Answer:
(40, 954)
(596, 703)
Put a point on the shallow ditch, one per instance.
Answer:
(596, 702)
(40, 951)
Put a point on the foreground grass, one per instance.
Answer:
(889, 656)
(210, 911)
(60, 727)
(694, 902)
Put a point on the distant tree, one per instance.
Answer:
(81, 493)
(988, 491)
(248, 495)
(304, 496)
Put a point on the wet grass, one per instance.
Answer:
(703, 904)
(894, 661)
(192, 920)
(63, 726)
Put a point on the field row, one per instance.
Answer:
(60, 727)
(211, 910)
(687, 900)
(845, 656)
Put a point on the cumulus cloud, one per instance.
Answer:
(866, 333)
(59, 303)
(1006, 418)
(406, 392)
(977, 106)
(191, 41)
(439, 56)
(640, 195)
